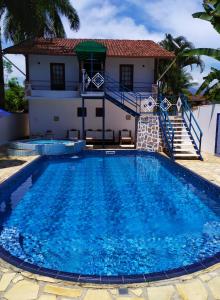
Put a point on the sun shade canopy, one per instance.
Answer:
(86, 50)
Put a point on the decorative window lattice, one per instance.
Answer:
(98, 80)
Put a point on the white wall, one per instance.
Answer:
(13, 126)
(39, 67)
(206, 116)
(42, 113)
(143, 68)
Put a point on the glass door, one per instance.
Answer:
(126, 77)
(57, 76)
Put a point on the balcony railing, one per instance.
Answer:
(96, 82)
(46, 85)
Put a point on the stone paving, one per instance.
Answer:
(16, 284)
(10, 165)
(209, 168)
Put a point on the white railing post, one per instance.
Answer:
(83, 80)
(28, 89)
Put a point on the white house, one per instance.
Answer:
(69, 80)
(99, 90)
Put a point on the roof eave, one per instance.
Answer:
(73, 54)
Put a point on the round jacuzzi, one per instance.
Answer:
(45, 147)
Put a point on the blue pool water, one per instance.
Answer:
(110, 215)
(48, 142)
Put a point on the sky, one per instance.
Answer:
(141, 19)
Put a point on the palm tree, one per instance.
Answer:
(211, 86)
(28, 19)
(177, 80)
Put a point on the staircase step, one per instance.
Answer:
(183, 144)
(186, 155)
(181, 130)
(183, 149)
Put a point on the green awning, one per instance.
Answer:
(90, 49)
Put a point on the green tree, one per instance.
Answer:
(27, 19)
(176, 80)
(211, 85)
(7, 66)
(14, 96)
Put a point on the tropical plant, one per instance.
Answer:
(28, 19)
(7, 66)
(177, 80)
(14, 96)
(211, 85)
(211, 13)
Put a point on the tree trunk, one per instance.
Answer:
(2, 84)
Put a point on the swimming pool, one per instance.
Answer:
(110, 218)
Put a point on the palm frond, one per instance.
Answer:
(214, 53)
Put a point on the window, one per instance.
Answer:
(80, 112)
(99, 112)
(57, 76)
(126, 76)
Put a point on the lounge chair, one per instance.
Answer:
(125, 139)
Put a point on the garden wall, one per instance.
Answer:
(13, 126)
(206, 116)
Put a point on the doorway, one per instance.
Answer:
(57, 76)
(126, 77)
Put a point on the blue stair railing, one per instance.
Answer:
(122, 94)
(168, 133)
(192, 125)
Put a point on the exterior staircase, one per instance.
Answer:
(126, 105)
(181, 134)
(122, 97)
(183, 144)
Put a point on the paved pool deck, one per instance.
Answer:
(16, 284)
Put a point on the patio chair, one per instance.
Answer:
(49, 134)
(73, 134)
(89, 134)
(110, 136)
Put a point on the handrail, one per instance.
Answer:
(136, 101)
(193, 124)
(167, 129)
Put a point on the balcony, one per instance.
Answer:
(41, 89)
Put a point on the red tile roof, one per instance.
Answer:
(115, 48)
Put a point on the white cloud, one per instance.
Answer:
(176, 17)
(102, 19)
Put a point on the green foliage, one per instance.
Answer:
(211, 13)
(213, 53)
(211, 85)
(7, 66)
(14, 97)
(177, 80)
(30, 19)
